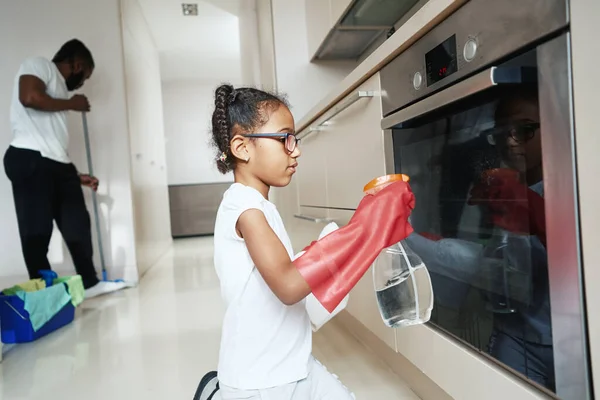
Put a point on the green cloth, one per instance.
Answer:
(44, 304)
(29, 286)
(75, 288)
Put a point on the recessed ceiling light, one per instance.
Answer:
(189, 9)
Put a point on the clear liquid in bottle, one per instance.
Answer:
(403, 287)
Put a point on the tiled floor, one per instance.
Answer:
(156, 342)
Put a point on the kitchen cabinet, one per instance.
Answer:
(321, 16)
(343, 152)
(194, 208)
(304, 222)
(354, 142)
(311, 177)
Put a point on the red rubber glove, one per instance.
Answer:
(513, 206)
(333, 265)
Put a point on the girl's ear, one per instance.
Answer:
(239, 147)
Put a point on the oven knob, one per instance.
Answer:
(470, 50)
(417, 80)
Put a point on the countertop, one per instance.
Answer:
(430, 15)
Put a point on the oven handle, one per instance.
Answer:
(484, 80)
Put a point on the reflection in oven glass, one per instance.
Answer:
(478, 178)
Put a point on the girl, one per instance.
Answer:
(266, 338)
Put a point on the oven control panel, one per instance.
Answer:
(473, 38)
(440, 62)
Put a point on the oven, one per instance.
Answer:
(479, 113)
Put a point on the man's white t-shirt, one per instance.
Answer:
(264, 343)
(41, 131)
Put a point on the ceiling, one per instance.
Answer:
(203, 48)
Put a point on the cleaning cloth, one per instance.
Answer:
(74, 287)
(44, 304)
(29, 286)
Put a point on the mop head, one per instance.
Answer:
(128, 284)
(105, 287)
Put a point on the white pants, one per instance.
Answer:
(319, 385)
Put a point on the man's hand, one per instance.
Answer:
(79, 103)
(89, 181)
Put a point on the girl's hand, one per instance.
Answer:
(333, 265)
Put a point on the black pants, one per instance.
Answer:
(45, 191)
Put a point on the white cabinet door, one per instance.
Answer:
(354, 142)
(311, 177)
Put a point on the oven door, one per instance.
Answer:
(492, 165)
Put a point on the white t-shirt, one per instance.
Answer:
(41, 131)
(264, 343)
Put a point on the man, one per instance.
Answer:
(46, 185)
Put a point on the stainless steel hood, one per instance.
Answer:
(361, 25)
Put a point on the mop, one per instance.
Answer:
(88, 151)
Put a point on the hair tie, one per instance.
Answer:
(223, 157)
(233, 96)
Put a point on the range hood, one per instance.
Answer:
(363, 22)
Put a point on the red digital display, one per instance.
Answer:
(441, 61)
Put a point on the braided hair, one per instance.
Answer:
(239, 111)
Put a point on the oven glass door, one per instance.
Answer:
(482, 170)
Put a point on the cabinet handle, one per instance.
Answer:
(341, 106)
(311, 130)
(316, 220)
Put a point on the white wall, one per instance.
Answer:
(146, 129)
(188, 108)
(266, 44)
(189, 101)
(304, 82)
(39, 28)
(249, 44)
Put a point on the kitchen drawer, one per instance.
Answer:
(354, 140)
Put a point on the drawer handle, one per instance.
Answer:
(316, 220)
(353, 98)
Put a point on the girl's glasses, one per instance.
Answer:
(521, 132)
(524, 132)
(289, 140)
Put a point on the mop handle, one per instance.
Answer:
(88, 151)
